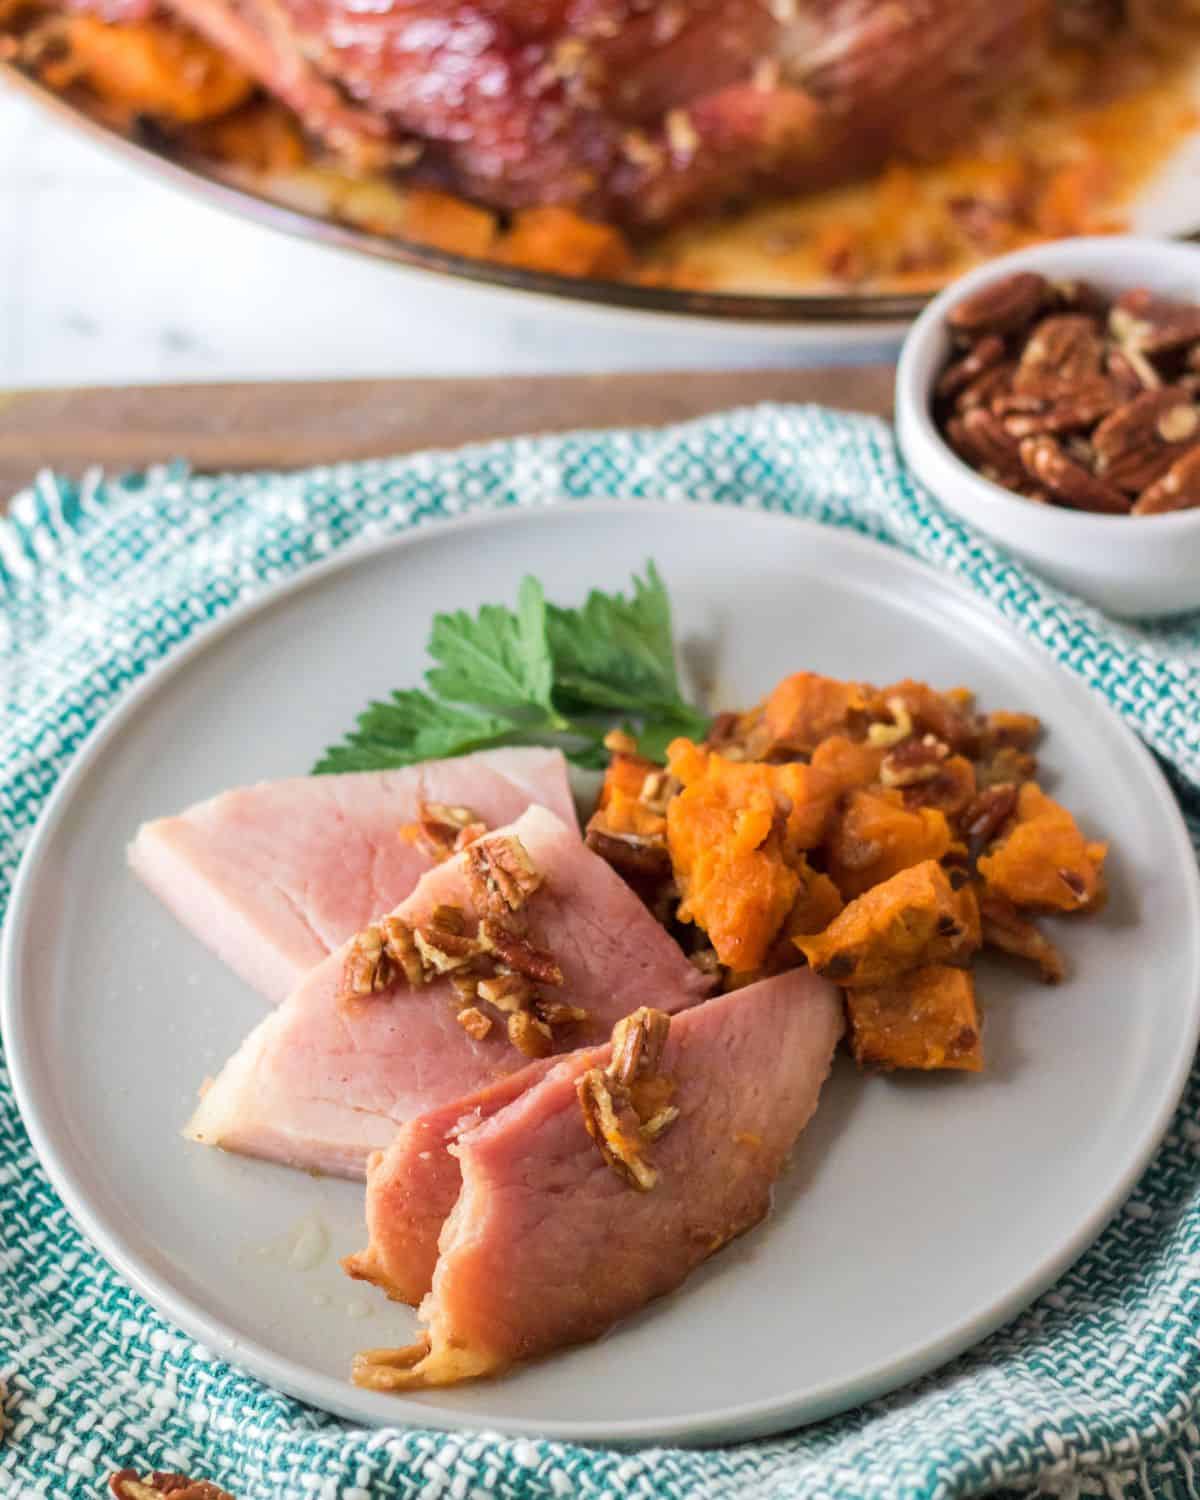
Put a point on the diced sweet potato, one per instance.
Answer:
(925, 1019)
(559, 240)
(262, 135)
(449, 223)
(912, 920)
(623, 806)
(840, 765)
(735, 833)
(805, 709)
(147, 68)
(1044, 862)
(816, 905)
(877, 836)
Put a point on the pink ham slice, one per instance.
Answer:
(274, 877)
(319, 1087)
(546, 1246)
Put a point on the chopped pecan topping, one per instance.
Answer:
(518, 953)
(501, 874)
(1006, 764)
(378, 956)
(631, 853)
(387, 1369)
(443, 943)
(529, 1035)
(506, 992)
(625, 1106)
(913, 761)
(442, 829)
(986, 816)
(899, 729)
(127, 1484)
(1005, 928)
(474, 1022)
(557, 1013)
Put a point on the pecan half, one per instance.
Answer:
(501, 874)
(127, 1484)
(989, 351)
(518, 953)
(987, 388)
(1137, 443)
(1178, 489)
(1153, 325)
(1069, 482)
(1064, 352)
(1000, 307)
(387, 1369)
(980, 437)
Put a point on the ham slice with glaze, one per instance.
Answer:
(320, 1085)
(547, 1245)
(273, 877)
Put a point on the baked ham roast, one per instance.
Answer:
(631, 111)
(322, 1082)
(534, 1196)
(273, 877)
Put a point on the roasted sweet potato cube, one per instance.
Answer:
(805, 709)
(558, 239)
(1044, 862)
(925, 1019)
(877, 836)
(914, 919)
(449, 223)
(817, 903)
(840, 765)
(629, 800)
(148, 68)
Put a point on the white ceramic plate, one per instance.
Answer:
(918, 1213)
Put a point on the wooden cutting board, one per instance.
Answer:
(291, 424)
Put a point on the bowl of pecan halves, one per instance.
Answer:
(1052, 399)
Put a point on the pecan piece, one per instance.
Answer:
(388, 1369)
(1069, 482)
(442, 829)
(506, 992)
(1008, 763)
(985, 817)
(501, 874)
(1073, 411)
(1000, 307)
(1178, 489)
(556, 1013)
(637, 1044)
(1005, 928)
(630, 853)
(530, 1035)
(128, 1484)
(1137, 443)
(518, 953)
(612, 1124)
(626, 1105)
(989, 351)
(474, 1022)
(378, 956)
(1152, 324)
(443, 943)
(913, 761)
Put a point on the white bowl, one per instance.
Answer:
(1128, 565)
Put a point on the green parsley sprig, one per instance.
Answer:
(536, 675)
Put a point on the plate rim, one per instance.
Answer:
(718, 1425)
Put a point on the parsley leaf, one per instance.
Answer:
(538, 674)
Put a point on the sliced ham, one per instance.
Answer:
(547, 1245)
(320, 1086)
(274, 877)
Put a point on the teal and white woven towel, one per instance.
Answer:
(1094, 1391)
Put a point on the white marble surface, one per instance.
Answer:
(108, 276)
